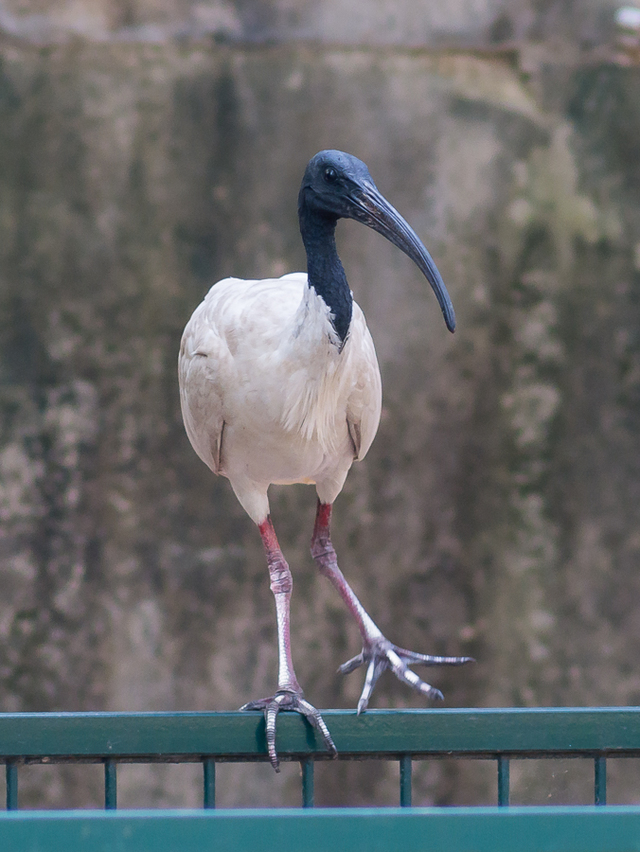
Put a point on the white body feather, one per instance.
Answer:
(267, 394)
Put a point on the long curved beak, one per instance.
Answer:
(372, 209)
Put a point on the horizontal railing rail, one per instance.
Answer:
(535, 829)
(376, 733)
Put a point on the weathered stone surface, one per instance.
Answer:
(497, 511)
(477, 23)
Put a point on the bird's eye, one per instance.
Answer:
(330, 175)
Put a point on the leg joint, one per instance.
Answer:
(281, 579)
(322, 550)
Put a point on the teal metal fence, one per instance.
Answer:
(501, 735)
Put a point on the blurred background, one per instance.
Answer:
(149, 148)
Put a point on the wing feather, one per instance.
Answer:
(365, 401)
(201, 368)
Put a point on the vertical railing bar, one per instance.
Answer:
(209, 772)
(110, 784)
(405, 781)
(307, 767)
(503, 781)
(600, 780)
(11, 770)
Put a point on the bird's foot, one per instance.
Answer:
(380, 654)
(285, 699)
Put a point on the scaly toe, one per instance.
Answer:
(292, 701)
(381, 655)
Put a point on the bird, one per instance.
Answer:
(280, 384)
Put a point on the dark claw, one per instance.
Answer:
(376, 666)
(285, 700)
(352, 664)
(260, 704)
(315, 719)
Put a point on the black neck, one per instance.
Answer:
(324, 269)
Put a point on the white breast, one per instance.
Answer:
(267, 394)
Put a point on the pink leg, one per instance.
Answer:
(377, 651)
(281, 586)
(324, 554)
(289, 695)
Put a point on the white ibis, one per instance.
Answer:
(279, 383)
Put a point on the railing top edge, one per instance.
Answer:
(293, 813)
(370, 713)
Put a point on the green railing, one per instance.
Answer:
(404, 736)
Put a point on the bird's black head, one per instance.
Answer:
(332, 182)
(338, 185)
